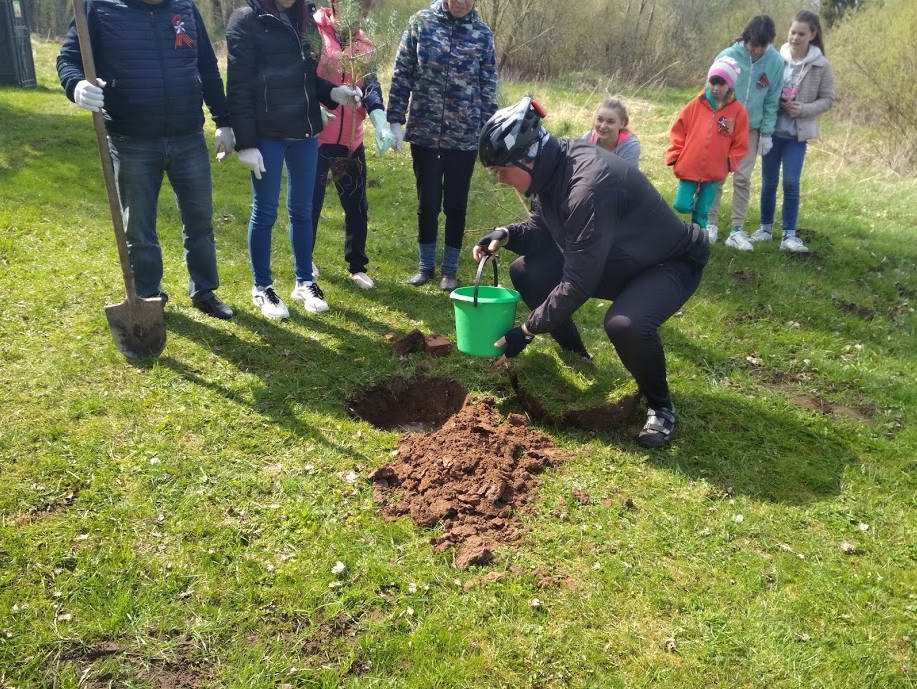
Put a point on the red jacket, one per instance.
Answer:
(706, 145)
(334, 68)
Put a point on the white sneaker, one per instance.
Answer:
(712, 233)
(362, 280)
(739, 240)
(314, 270)
(760, 235)
(270, 304)
(794, 245)
(311, 296)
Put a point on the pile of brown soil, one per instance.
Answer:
(472, 475)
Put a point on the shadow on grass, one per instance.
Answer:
(748, 447)
(744, 446)
(27, 135)
(293, 370)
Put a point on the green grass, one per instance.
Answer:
(188, 513)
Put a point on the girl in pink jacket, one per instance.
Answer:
(341, 151)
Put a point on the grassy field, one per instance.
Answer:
(176, 524)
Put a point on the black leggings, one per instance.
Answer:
(642, 303)
(443, 179)
(349, 175)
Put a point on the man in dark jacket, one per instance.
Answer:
(156, 68)
(599, 229)
(446, 68)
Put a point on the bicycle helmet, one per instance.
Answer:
(510, 133)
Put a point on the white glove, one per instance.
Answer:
(765, 144)
(397, 135)
(384, 138)
(347, 95)
(224, 142)
(327, 115)
(251, 158)
(89, 96)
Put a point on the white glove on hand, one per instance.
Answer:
(347, 95)
(327, 115)
(89, 96)
(765, 144)
(397, 135)
(252, 159)
(384, 138)
(224, 142)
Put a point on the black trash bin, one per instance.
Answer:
(16, 63)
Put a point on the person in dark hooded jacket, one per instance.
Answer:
(274, 94)
(599, 229)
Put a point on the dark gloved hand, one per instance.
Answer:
(498, 234)
(515, 340)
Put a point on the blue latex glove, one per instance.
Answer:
(384, 137)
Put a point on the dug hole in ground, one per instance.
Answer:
(461, 463)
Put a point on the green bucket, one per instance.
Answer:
(483, 314)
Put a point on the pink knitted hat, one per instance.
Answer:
(727, 68)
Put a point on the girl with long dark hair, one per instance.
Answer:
(274, 96)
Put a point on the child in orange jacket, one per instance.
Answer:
(708, 141)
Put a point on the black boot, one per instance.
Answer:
(422, 277)
(659, 429)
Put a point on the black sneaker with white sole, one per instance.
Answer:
(659, 429)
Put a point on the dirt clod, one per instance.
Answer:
(408, 344)
(471, 476)
(743, 277)
(582, 497)
(475, 551)
(437, 345)
(415, 404)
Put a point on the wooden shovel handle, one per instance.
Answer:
(108, 170)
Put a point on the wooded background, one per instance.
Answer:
(872, 45)
(634, 40)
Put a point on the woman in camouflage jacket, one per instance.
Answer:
(446, 68)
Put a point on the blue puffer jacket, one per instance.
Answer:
(158, 64)
(447, 68)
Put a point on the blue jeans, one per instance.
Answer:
(791, 154)
(301, 156)
(139, 168)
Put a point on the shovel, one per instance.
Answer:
(137, 325)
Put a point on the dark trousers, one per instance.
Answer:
(443, 179)
(642, 303)
(349, 176)
(140, 165)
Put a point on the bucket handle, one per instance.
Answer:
(477, 277)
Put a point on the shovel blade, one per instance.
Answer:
(139, 330)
